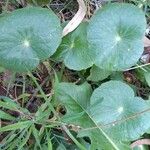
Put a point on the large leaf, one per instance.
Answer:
(121, 115)
(28, 35)
(75, 50)
(116, 31)
(76, 99)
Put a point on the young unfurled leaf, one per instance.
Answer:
(28, 35)
(117, 32)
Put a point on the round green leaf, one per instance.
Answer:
(117, 31)
(75, 50)
(123, 116)
(28, 35)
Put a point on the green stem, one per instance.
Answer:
(62, 71)
(73, 138)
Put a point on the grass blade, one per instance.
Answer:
(15, 126)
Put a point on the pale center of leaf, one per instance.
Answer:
(129, 49)
(118, 38)
(26, 43)
(72, 45)
(120, 110)
(113, 124)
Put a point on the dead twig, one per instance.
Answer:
(140, 142)
(146, 42)
(77, 19)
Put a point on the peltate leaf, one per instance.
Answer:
(121, 115)
(28, 35)
(116, 31)
(75, 50)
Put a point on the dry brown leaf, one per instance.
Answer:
(146, 42)
(77, 19)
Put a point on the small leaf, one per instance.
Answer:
(28, 35)
(117, 31)
(75, 50)
(122, 116)
(97, 74)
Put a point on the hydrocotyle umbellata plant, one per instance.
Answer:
(111, 115)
